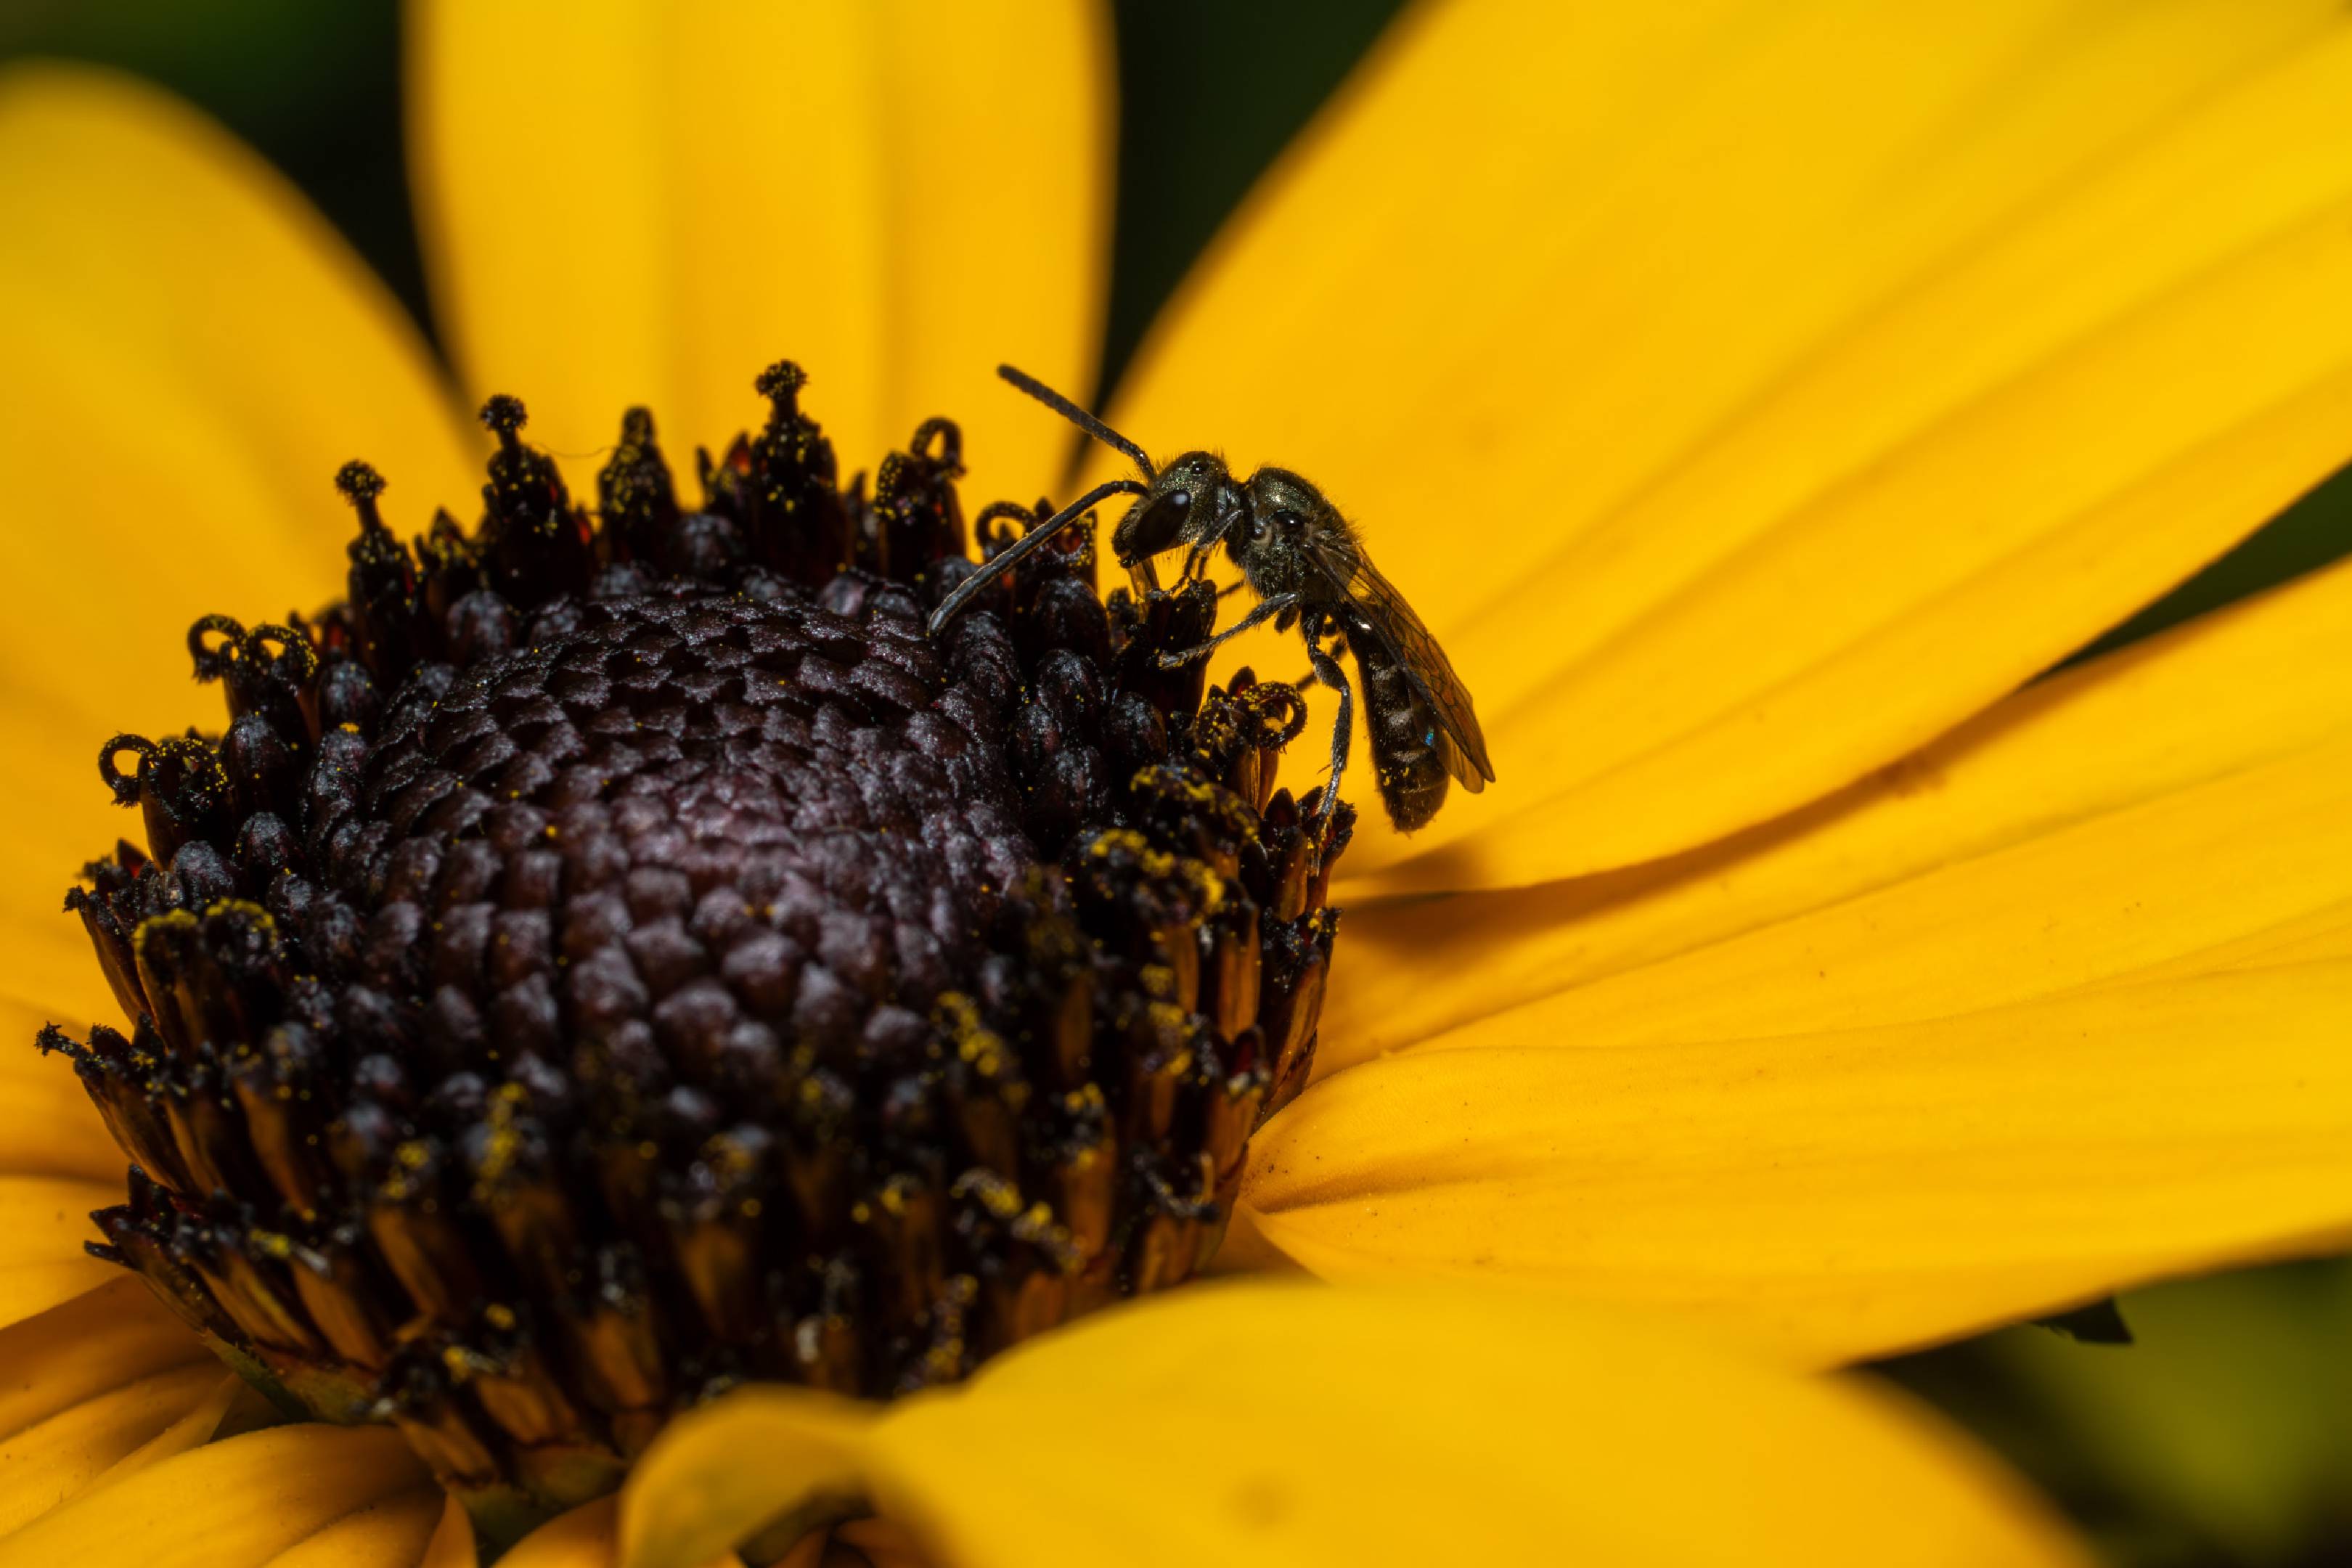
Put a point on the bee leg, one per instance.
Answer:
(1328, 671)
(1336, 648)
(1267, 610)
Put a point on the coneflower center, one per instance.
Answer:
(613, 954)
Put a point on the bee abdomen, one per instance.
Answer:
(1403, 729)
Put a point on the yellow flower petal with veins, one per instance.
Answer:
(112, 1435)
(116, 1373)
(1234, 1425)
(2098, 902)
(625, 203)
(1844, 1194)
(242, 1502)
(392, 1533)
(1828, 372)
(2194, 727)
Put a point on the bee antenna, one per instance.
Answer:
(1028, 545)
(1079, 417)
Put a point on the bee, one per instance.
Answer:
(1308, 568)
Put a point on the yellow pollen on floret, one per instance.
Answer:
(503, 1144)
(1207, 883)
(977, 1046)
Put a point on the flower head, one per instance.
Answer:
(1754, 417)
(611, 955)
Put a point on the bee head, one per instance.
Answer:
(1190, 502)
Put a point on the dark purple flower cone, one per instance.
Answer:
(614, 954)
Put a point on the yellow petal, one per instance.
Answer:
(193, 352)
(230, 1400)
(626, 202)
(587, 1537)
(1840, 1194)
(1294, 1425)
(1778, 390)
(233, 1504)
(452, 1545)
(1980, 870)
(53, 1130)
(882, 1543)
(114, 1333)
(120, 1381)
(692, 1498)
(393, 1532)
(109, 1436)
(54, 817)
(44, 1220)
(1511, 1428)
(2210, 878)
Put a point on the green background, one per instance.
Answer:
(2223, 1435)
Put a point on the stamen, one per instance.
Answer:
(360, 484)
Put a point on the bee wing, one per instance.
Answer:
(1460, 743)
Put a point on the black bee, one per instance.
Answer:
(1308, 568)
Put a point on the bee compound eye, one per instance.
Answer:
(1287, 521)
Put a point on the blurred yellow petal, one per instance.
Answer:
(116, 1374)
(110, 1434)
(192, 352)
(1112, 1441)
(56, 816)
(692, 1499)
(234, 1504)
(53, 1130)
(392, 1533)
(1781, 384)
(883, 1543)
(1841, 1195)
(114, 1333)
(587, 1537)
(452, 1545)
(2014, 809)
(626, 202)
(44, 1220)
(1293, 1425)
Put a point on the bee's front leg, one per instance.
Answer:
(1267, 610)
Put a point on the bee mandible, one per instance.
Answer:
(1308, 568)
